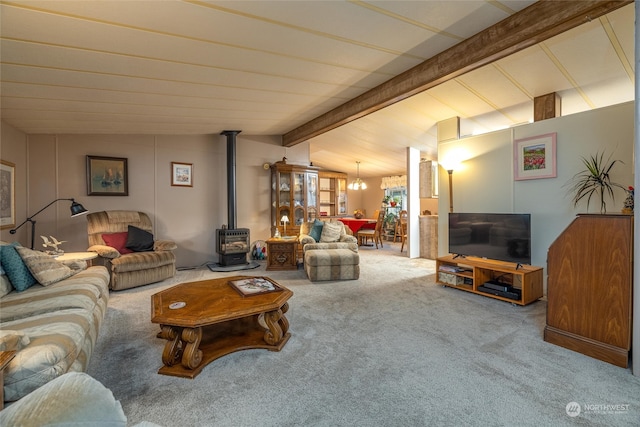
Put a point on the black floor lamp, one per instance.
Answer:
(76, 210)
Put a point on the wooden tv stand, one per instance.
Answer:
(470, 273)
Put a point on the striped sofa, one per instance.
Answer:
(53, 328)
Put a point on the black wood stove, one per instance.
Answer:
(232, 244)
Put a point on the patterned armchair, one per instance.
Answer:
(307, 233)
(129, 269)
(330, 255)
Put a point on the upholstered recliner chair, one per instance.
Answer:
(149, 261)
(310, 235)
(330, 251)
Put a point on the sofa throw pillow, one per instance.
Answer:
(330, 232)
(5, 285)
(316, 230)
(43, 267)
(13, 340)
(343, 230)
(17, 272)
(117, 241)
(139, 240)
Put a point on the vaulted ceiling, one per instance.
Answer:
(271, 67)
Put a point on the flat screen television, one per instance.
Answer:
(499, 236)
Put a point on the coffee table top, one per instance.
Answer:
(211, 301)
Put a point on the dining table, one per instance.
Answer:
(356, 224)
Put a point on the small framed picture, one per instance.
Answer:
(181, 174)
(535, 157)
(107, 176)
(7, 194)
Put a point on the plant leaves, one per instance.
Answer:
(595, 180)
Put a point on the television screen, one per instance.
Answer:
(503, 237)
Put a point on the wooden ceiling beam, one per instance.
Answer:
(532, 25)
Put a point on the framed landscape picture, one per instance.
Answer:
(181, 174)
(107, 176)
(7, 194)
(535, 157)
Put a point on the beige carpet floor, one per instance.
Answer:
(390, 349)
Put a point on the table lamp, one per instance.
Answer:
(285, 220)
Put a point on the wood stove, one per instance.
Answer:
(232, 244)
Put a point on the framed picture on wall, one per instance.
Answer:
(181, 174)
(107, 176)
(7, 195)
(535, 157)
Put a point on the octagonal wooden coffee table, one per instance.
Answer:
(203, 321)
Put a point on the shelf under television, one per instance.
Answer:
(525, 279)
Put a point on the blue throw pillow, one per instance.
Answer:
(17, 272)
(316, 230)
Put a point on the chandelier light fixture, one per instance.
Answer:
(357, 184)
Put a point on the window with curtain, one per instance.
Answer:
(399, 194)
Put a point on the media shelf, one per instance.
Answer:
(491, 278)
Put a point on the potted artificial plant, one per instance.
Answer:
(595, 180)
(390, 221)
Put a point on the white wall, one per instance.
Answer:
(484, 182)
(54, 166)
(13, 149)
(413, 203)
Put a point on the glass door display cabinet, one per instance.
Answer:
(294, 196)
(341, 188)
(333, 194)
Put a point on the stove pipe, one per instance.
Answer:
(231, 177)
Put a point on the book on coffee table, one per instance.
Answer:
(254, 286)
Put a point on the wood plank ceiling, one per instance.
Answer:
(269, 67)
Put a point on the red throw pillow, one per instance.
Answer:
(117, 241)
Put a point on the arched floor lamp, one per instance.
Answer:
(450, 164)
(450, 172)
(76, 210)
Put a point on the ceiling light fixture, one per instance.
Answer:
(358, 184)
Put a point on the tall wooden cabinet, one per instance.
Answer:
(294, 193)
(589, 287)
(333, 193)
